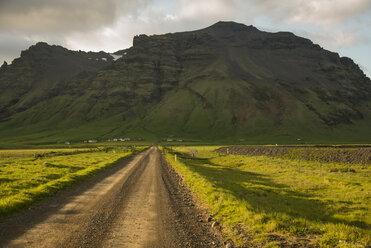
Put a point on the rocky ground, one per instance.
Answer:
(341, 154)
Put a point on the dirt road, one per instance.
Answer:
(138, 203)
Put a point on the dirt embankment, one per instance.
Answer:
(138, 203)
(357, 155)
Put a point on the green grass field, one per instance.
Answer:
(27, 176)
(273, 202)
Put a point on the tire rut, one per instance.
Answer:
(141, 203)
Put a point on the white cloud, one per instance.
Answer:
(312, 12)
(329, 12)
(111, 24)
(333, 38)
(64, 16)
(207, 9)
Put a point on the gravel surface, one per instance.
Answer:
(141, 202)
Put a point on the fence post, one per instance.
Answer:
(194, 152)
(175, 157)
(281, 161)
(349, 169)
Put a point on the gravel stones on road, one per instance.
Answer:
(138, 203)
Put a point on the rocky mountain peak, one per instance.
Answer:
(231, 26)
(5, 64)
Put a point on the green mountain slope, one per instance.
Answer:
(223, 83)
(41, 73)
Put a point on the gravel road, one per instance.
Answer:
(138, 203)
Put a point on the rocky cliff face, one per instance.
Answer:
(41, 73)
(227, 80)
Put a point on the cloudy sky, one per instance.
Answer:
(342, 26)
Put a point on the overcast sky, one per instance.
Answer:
(342, 26)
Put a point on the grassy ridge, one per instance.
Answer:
(26, 178)
(270, 202)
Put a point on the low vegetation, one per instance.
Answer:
(265, 201)
(355, 154)
(27, 176)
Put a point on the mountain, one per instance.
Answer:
(223, 83)
(40, 74)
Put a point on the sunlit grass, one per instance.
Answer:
(29, 152)
(26, 177)
(276, 201)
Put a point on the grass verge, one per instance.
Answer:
(29, 176)
(272, 202)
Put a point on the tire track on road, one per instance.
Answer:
(139, 203)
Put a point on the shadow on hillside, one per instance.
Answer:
(264, 195)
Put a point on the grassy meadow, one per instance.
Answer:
(266, 201)
(27, 176)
